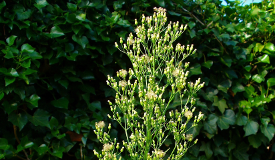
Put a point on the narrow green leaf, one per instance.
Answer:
(264, 59)
(270, 82)
(11, 40)
(56, 32)
(20, 119)
(35, 55)
(251, 128)
(61, 103)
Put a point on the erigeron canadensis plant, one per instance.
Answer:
(153, 57)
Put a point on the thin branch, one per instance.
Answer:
(16, 137)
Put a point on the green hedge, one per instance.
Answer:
(55, 56)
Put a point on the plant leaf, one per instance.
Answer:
(251, 128)
(61, 103)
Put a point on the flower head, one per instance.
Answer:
(159, 153)
(151, 95)
(189, 137)
(107, 147)
(100, 124)
(188, 114)
(176, 72)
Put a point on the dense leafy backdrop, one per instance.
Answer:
(55, 56)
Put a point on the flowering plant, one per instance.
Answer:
(139, 106)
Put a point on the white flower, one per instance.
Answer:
(107, 147)
(176, 72)
(151, 95)
(123, 73)
(122, 84)
(159, 153)
(189, 137)
(100, 124)
(188, 114)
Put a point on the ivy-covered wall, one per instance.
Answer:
(56, 55)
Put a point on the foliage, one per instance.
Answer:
(56, 56)
(144, 118)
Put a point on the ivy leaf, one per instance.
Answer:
(33, 100)
(56, 32)
(95, 105)
(264, 59)
(11, 40)
(268, 131)
(238, 88)
(270, 47)
(42, 149)
(40, 118)
(241, 120)
(254, 140)
(210, 125)
(40, 4)
(81, 16)
(226, 120)
(251, 128)
(221, 104)
(9, 80)
(72, 7)
(83, 41)
(207, 64)
(195, 70)
(61, 103)
(270, 82)
(22, 15)
(240, 152)
(225, 85)
(206, 147)
(2, 5)
(2, 95)
(27, 48)
(20, 120)
(4, 145)
(257, 78)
